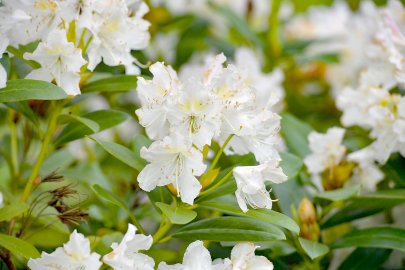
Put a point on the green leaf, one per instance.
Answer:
(122, 153)
(228, 206)
(339, 194)
(20, 90)
(381, 237)
(366, 258)
(24, 109)
(111, 198)
(87, 122)
(18, 246)
(366, 205)
(313, 249)
(120, 83)
(230, 229)
(296, 134)
(13, 210)
(395, 169)
(240, 25)
(104, 118)
(291, 164)
(176, 214)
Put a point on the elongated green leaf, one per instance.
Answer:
(18, 246)
(111, 198)
(119, 83)
(382, 237)
(366, 258)
(230, 229)
(291, 164)
(104, 118)
(176, 214)
(296, 134)
(313, 249)
(366, 205)
(20, 90)
(227, 206)
(87, 122)
(13, 210)
(122, 153)
(395, 169)
(240, 25)
(24, 109)
(339, 194)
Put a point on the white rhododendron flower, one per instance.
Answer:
(196, 257)
(251, 188)
(1, 200)
(327, 150)
(196, 113)
(60, 60)
(75, 254)
(115, 33)
(243, 258)
(156, 97)
(173, 160)
(3, 76)
(126, 256)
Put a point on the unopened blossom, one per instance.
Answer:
(327, 150)
(196, 257)
(60, 60)
(75, 254)
(173, 160)
(125, 255)
(157, 95)
(251, 187)
(115, 32)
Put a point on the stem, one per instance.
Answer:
(135, 221)
(219, 153)
(14, 148)
(161, 232)
(273, 37)
(42, 154)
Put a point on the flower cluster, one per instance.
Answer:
(76, 254)
(73, 36)
(183, 115)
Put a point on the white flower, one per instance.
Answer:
(115, 32)
(126, 256)
(173, 160)
(196, 257)
(1, 200)
(258, 135)
(157, 95)
(267, 87)
(327, 150)
(366, 172)
(196, 114)
(60, 61)
(3, 76)
(75, 254)
(243, 257)
(251, 188)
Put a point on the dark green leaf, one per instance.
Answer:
(366, 258)
(313, 249)
(24, 109)
(122, 153)
(291, 164)
(104, 118)
(381, 237)
(176, 214)
(227, 206)
(230, 229)
(296, 134)
(339, 194)
(20, 90)
(86, 122)
(18, 246)
(119, 83)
